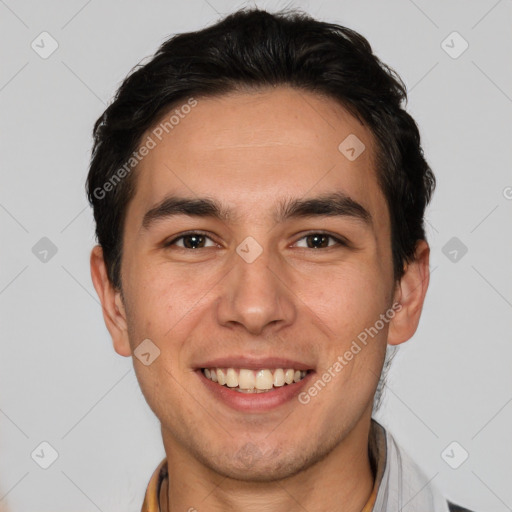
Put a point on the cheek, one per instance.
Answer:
(167, 305)
(348, 299)
(159, 298)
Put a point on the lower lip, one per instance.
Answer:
(255, 402)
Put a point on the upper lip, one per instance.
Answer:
(252, 363)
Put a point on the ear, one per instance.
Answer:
(111, 301)
(410, 294)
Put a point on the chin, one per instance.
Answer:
(261, 472)
(251, 464)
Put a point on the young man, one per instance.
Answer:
(259, 196)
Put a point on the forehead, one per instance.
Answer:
(249, 149)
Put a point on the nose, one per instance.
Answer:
(257, 294)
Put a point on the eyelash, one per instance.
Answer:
(339, 241)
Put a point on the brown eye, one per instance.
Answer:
(190, 241)
(318, 240)
(321, 241)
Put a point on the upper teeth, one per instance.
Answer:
(253, 379)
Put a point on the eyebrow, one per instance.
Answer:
(337, 204)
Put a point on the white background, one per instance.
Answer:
(60, 379)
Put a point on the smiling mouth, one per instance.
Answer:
(254, 381)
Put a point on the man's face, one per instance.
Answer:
(213, 300)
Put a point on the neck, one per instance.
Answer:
(341, 481)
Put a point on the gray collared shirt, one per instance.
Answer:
(403, 485)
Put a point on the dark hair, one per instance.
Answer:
(251, 49)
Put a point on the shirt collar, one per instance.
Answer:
(154, 500)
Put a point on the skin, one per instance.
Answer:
(249, 151)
